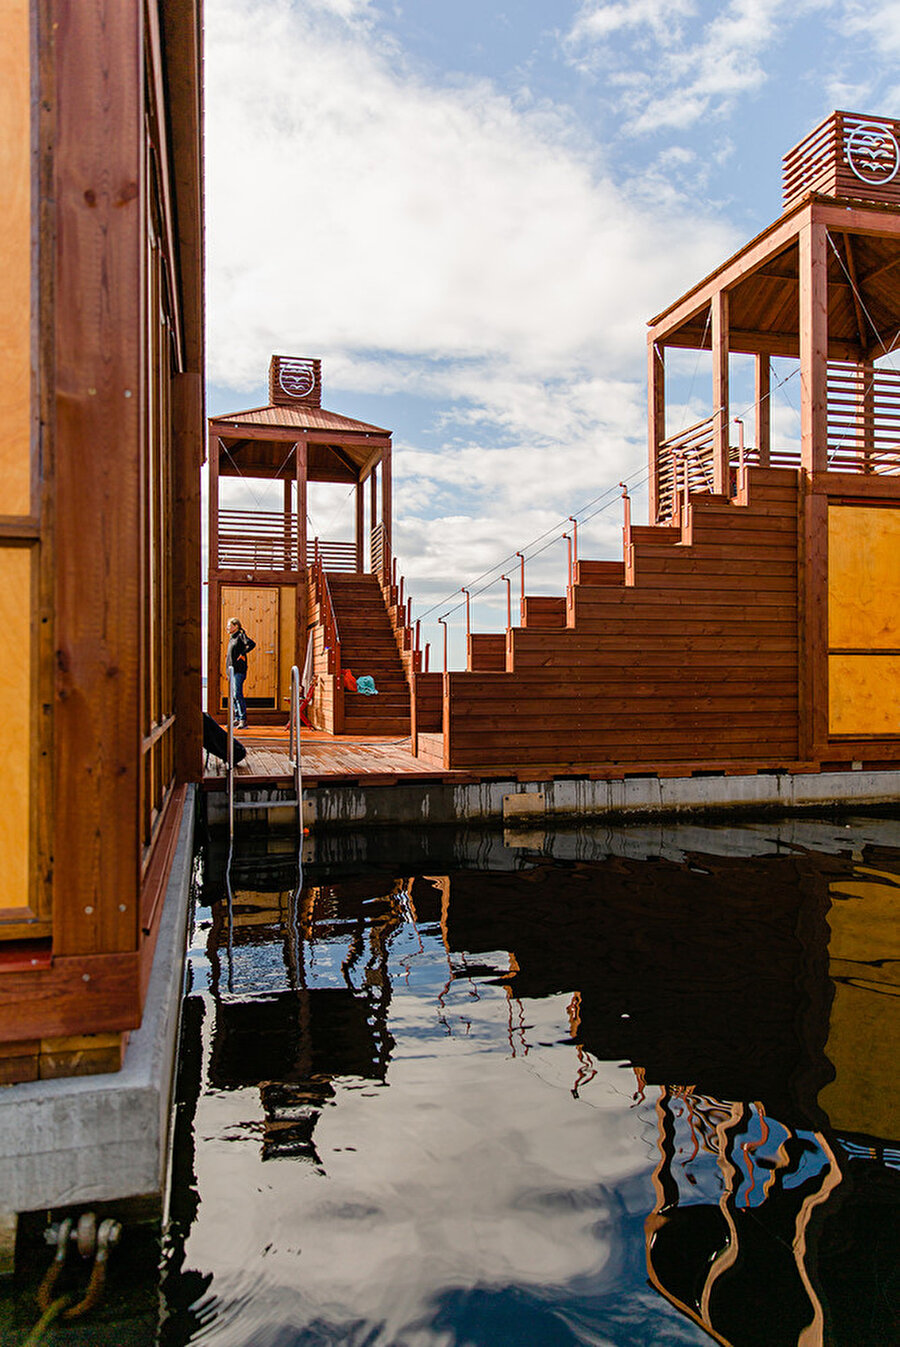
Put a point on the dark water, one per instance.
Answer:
(602, 1087)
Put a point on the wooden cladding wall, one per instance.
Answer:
(108, 546)
(697, 660)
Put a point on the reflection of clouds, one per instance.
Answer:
(473, 1168)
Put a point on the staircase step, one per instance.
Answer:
(544, 611)
(655, 535)
(600, 573)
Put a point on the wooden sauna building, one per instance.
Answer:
(101, 380)
(754, 623)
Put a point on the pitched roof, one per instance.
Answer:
(300, 417)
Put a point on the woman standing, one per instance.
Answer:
(239, 646)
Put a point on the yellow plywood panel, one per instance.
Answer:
(15, 720)
(863, 577)
(15, 257)
(864, 694)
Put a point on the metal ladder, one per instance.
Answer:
(294, 759)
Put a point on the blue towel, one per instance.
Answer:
(366, 686)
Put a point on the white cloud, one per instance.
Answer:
(878, 21)
(442, 240)
(353, 207)
(682, 62)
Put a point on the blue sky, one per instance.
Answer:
(470, 211)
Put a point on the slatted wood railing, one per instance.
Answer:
(863, 419)
(863, 435)
(266, 540)
(847, 155)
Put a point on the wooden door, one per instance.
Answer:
(257, 609)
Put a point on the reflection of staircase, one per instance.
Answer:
(368, 646)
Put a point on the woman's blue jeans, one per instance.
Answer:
(237, 677)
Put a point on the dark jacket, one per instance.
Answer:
(239, 645)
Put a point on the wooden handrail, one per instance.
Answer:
(326, 604)
(384, 565)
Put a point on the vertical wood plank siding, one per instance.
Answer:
(99, 194)
(696, 660)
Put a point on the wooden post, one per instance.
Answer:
(360, 525)
(386, 507)
(656, 410)
(763, 409)
(187, 416)
(720, 392)
(213, 604)
(300, 474)
(813, 348)
(376, 564)
(865, 440)
(286, 531)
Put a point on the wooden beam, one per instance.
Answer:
(868, 221)
(656, 417)
(763, 407)
(721, 412)
(813, 347)
(787, 344)
(212, 595)
(157, 113)
(775, 239)
(348, 463)
(362, 440)
(183, 58)
(813, 619)
(300, 453)
(386, 498)
(857, 306)
(360, 525)
(187, 454)
(99, 379)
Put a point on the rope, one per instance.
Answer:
(862, 303)
(47, 1319)
(247, 480)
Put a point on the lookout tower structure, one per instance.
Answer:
(287, 587)
(754, 625)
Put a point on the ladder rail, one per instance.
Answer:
(294, 753)
(229, 762)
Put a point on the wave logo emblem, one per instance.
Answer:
(873, 154)
(297, 377)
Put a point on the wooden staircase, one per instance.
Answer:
(685, 651)
(369, 646)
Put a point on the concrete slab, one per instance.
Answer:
(104, 1138)
(409, 803)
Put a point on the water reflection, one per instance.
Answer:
(637, 1099)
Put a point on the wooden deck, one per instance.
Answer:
(375, 760)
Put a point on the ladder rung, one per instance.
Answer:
(265, 804)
